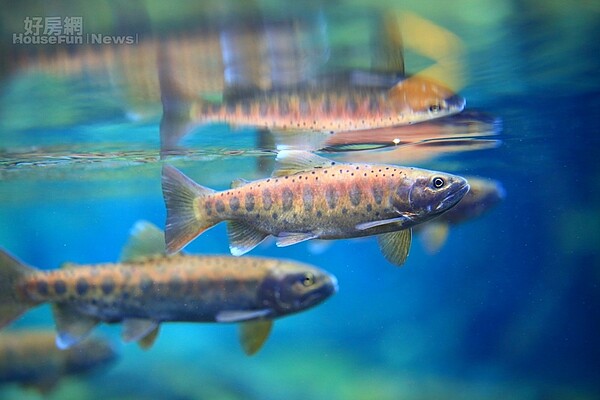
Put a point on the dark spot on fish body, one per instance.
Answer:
(267, 199)
(146, 284)
(82, 286)
(249, 202)
(107, 286)
(287, 199)
(234, 204)
(220, 206)
(369, 208)
(60, 287)
(319, 214)
(275, 216)
(377, 194)
(42, 287)
(176, 284)
(307, 198)
(331, 196)
(355, 195)
(208, 207)
(344, 211)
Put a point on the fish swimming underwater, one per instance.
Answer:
(32, 359)
(148, 288)
(311, 197)
(483, 196)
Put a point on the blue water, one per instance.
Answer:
(507, 309)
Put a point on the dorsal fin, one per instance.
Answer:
(236, 183)
(146, 241)
(290, 162)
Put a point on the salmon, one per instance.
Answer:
(311, 197)
(148, 288)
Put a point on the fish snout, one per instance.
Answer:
(456, 103)
(457, 190)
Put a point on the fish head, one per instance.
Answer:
(293, 287)
(423, 194)
(425, 99)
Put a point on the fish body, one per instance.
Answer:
(31, 358)
(310, 197)
(143, 292)
(482, 197)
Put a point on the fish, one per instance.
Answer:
(322, 108)
(31, 358)
(148, 288)
(484, 194)
(311, 197)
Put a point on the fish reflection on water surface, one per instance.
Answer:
(148, 288)
(311, 197)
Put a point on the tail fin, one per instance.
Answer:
(184, 221)
(11, 272)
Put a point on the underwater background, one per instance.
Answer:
(508, 308)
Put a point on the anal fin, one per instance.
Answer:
(72, 326)
(135, 329)
(243, 237)
(254, 334)
(147, 341)
(395, 245)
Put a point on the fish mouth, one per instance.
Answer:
(456, 103)
(453, 198)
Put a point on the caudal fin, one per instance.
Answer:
(11, 303)
(184, 221)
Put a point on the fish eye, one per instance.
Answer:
(309, 279)
(434, 108)
(438, 182)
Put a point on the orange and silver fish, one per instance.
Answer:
(31, 358)
(483, 196)
(149, 288)
(310, 197)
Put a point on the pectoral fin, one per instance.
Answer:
(395, 245)
(254, 334)
(434, 235)
(288, 238)
(72, 326)
(368, 225)
(135, 329)
(241, 315)
(243, 237)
